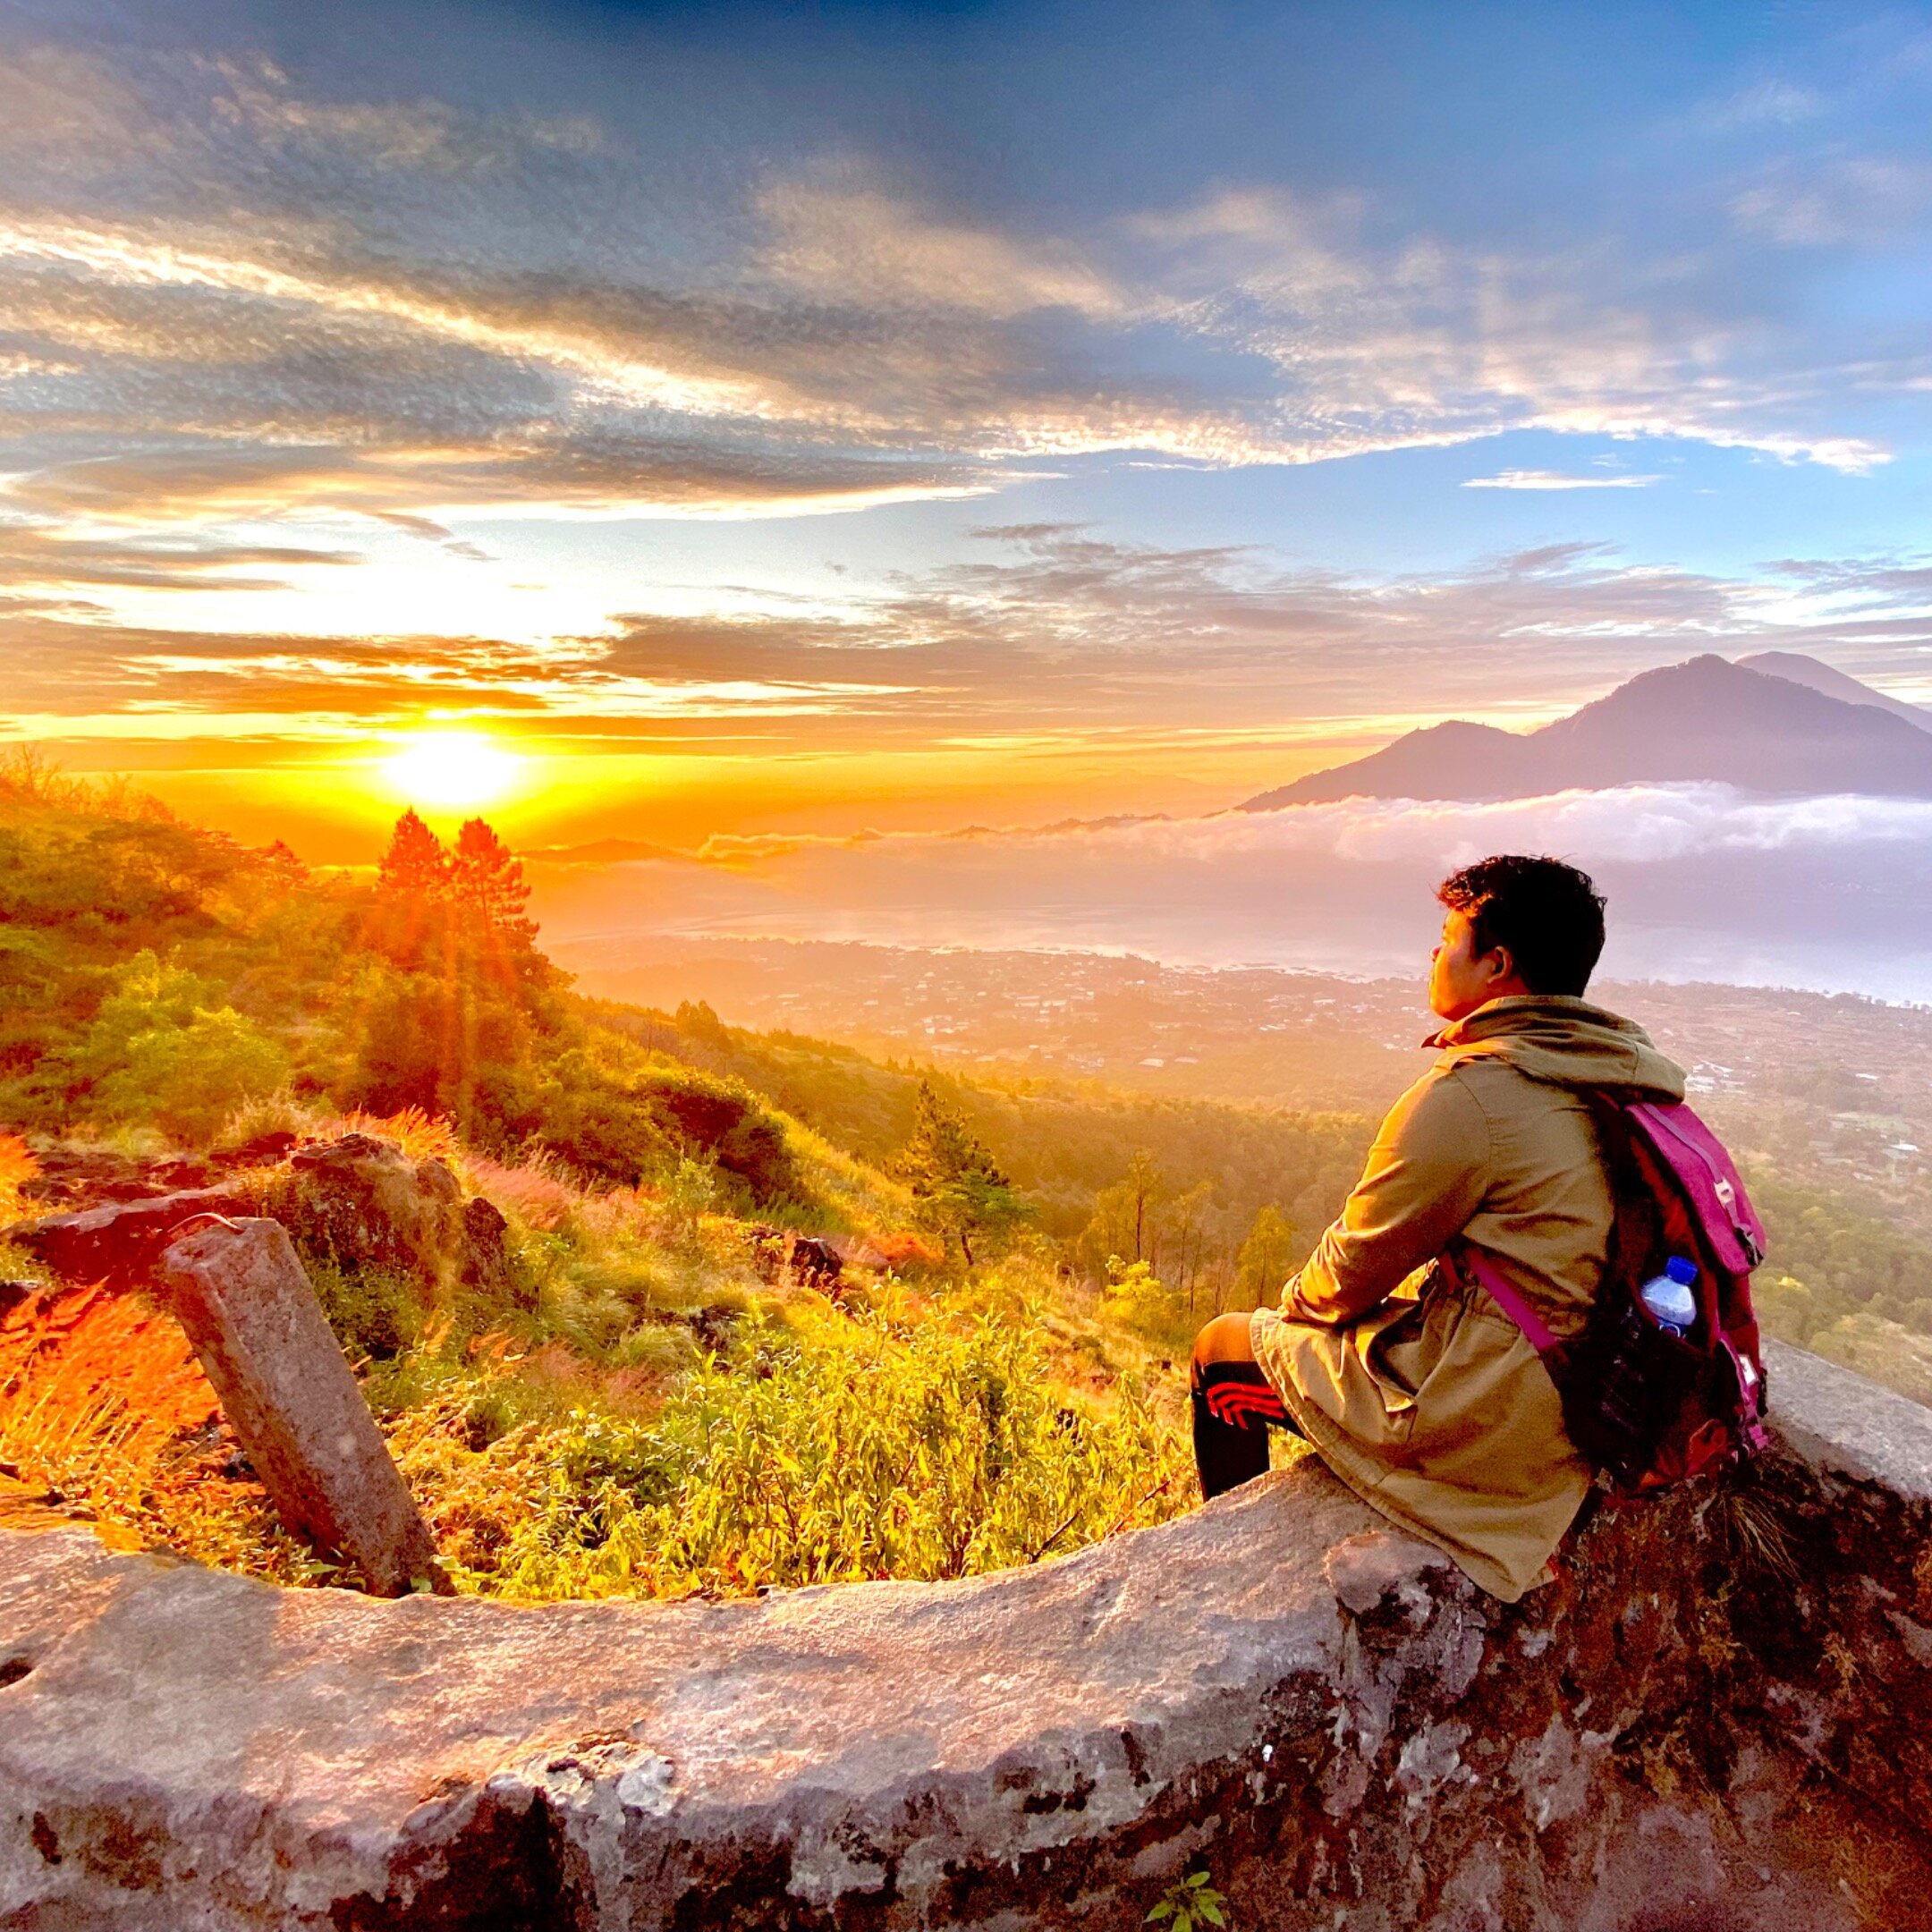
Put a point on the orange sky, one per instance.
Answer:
(339, 811)
(746, 433)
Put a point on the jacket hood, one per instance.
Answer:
(1568, 1042)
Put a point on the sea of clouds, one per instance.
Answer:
(1705, 882)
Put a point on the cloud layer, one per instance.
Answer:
(416, 305)
(1703, 881)
(1054, 634)
(263, 324)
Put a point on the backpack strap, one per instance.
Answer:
(1491, 1279)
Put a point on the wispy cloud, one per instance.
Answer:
(43, 557)
(1859, 199)
(840, 235)
(1557, 479)
(1053, 635)
(1418, 341)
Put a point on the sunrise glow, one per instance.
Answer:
(872, 784)
(996, 475)
(451, 768)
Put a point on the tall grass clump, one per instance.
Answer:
(857, 1448)
(117, 1425)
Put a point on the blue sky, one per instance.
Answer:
(1069, 403)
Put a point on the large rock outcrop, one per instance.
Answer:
(356, 1202)
(364, 1204)
(1715, 1720)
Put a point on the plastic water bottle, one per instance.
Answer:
(1669, 1298)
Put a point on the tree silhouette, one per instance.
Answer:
(415, 865)
(490, 891)
(410, 922)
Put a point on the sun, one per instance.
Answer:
(451, 768)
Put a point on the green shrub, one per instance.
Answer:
(160, 1052)
(861, 1449)
(599, 1124)
(374, 1314)
(728, 1124)
(1137, 1296)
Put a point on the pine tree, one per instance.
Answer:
(409, 922)
(958, 1188)
(415, 865)
(490, 891)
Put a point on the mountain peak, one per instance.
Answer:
(1705, 719)
(1815, 674)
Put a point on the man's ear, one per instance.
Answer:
(1502, 962)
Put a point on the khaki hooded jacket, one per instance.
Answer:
(1415, 1388)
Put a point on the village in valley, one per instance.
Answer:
(1832, 1084)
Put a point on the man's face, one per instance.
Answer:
(1461, 979)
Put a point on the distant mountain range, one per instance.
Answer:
(1776, 722)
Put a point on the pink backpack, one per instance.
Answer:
(1650, 1407)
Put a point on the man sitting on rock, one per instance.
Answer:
(1410, 1381)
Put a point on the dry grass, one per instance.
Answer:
(105, 1414)
(17, 1166)
(422, 1136)
(655, 1413)
(531, 1190)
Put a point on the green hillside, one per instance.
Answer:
(651, 1405)
(649, 1400)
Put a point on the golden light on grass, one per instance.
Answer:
(451, 768)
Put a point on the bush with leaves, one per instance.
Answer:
(1188, 1904)
(159, 1052)
(725, 1123)
(1137, 1296)
(866, 1446)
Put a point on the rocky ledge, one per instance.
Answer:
(1715, 1719)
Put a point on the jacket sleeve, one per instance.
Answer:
(1425, 1176)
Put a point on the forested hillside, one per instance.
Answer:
(651, 1400)
(980, 1365)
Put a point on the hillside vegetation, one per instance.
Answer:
(652, 1402)
(656, 1403)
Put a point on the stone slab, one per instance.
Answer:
(115, 1245)
(238, 1291)
(1846, 1423)
(1278, 1687)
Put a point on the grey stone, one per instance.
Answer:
(1378, 1563)
(1324, 1714)
(1846, 1423)
(238, 1291)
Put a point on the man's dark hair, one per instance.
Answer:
(1548, 914)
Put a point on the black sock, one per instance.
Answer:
(1226, 1453)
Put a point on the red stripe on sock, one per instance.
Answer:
(1235, 1401)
